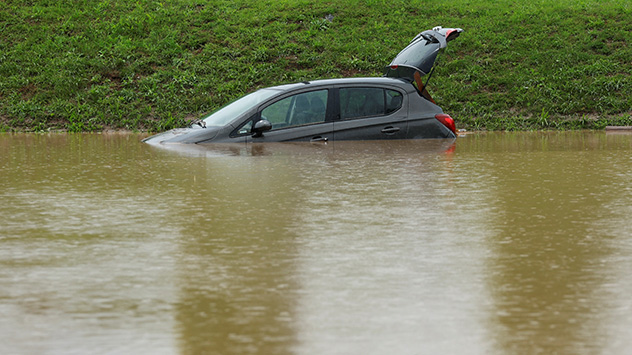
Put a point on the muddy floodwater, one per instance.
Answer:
(498, 243)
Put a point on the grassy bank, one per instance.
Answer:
(85, 65)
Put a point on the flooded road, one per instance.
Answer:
(493, 244)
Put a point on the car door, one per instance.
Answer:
(370, 113)
(420, 55)
(300, 117)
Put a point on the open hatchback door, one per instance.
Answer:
(420, 55)
(418, 59)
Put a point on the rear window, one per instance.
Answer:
(368, 102)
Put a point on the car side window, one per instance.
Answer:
(393, 100)
(246, 128)
(297, 110)
(368, 102)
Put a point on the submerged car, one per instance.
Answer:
(395, 106)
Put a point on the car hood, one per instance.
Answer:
(184, 135)
(421, 53)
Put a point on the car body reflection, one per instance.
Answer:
(302, 148)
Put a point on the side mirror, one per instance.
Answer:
(260, 127)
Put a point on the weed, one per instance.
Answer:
(146, 65)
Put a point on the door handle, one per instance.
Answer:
(319, 139)
(390, 130)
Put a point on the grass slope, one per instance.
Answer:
(86, 65)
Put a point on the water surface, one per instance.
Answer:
(491, 244)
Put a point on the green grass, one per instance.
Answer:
(85, 65)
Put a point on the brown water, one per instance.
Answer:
(496, 244)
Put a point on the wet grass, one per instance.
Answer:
(81, 65)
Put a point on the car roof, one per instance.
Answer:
(359, 81)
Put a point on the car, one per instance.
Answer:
(395, 106)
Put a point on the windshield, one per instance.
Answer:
(238, 107)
